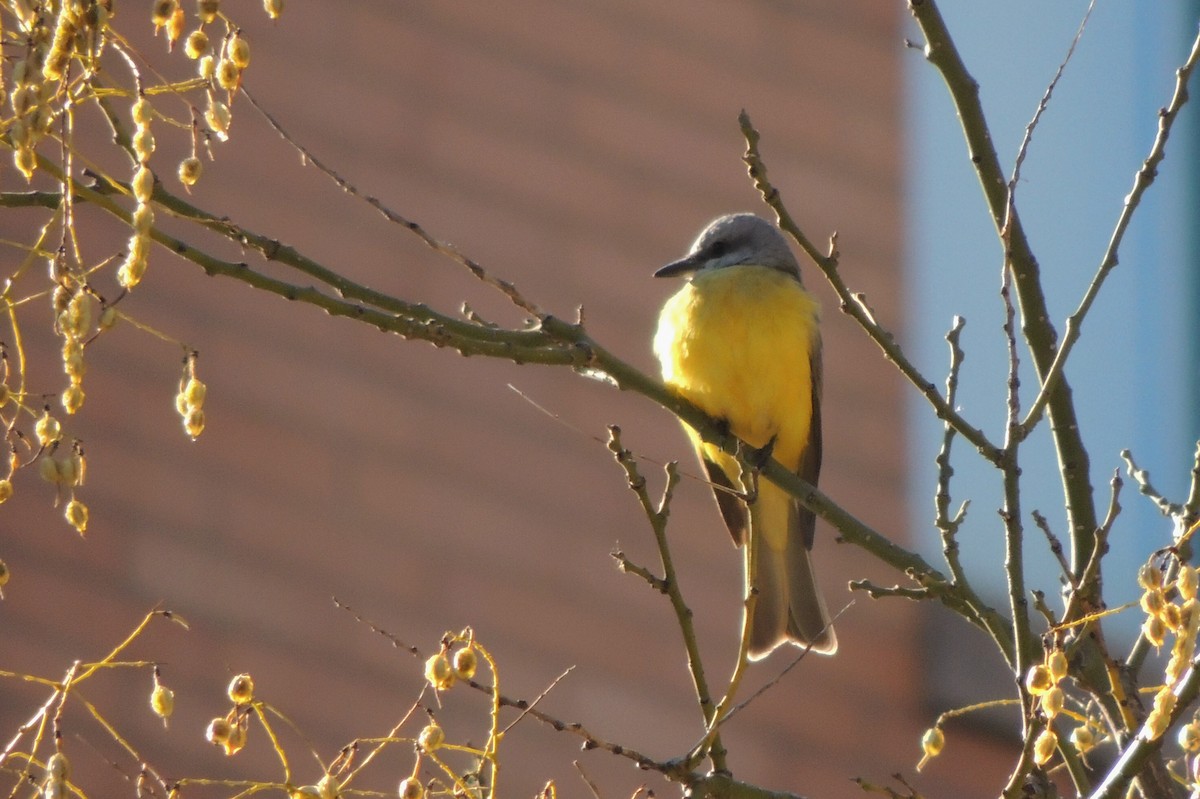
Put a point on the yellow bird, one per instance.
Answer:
(740, 340)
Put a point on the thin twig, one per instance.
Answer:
(1191, 507)
(546, 692)
(1141, 181)
(1023, 150)
(1037, 328)
(657, 517)
(1056, 547)
(853, 304)
(1142, 478)
(453, 253)
(947, 526)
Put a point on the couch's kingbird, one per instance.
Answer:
(740, 340)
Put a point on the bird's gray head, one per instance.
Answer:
(735, 239)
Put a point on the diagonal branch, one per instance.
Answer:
(854, 304)
(1037, 329)
(1141, 181)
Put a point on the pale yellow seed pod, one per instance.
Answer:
(79, 313)
(194, 392)
(24, 98)
(43, 119)
(131, 273)
(48, 470)
(6, 490)
(1156, 724)
(21, 133)
(55, 789)
(72, 398)
(25, 161)
(77, 516)
(1152, 601)
(274, 8)
(196, 44)
(218, 117)
(238, 51)
(218, 731)
(933, 742)
(228, 75)
(1044, 746)
(465, 662)
(142, 112)
(108, 317)
(206, 67)
(58, 767)
(1165, 701)
(1177, 664)
(1052, 702)
(236, 741)
(193, 423)
(143, 220)
(241, 689)
(162, 11)
(207, 10)
(1189, 616)
(1150, 577)
(439, 672)
(431, 738)
(328, 787)
(1056, 663)
(73, 363)
(1189, 737)
(1083, 738)
(5, 394)
(181, 405)
(133, 269)
(68, 475)
(411, 788)
(48, 430)
(1172, 617)
(5, 574)
(1038, 680)
(143, 184)
(56, 63)
(143, 147)
(1187, 582)
(189, 170)
(1154, 630)
(175, 26)
(162, 701)
(305, 792)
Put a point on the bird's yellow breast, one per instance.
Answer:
(738, 342)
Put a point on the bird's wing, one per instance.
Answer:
(733, 510)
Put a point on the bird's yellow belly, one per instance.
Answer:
(738, 343)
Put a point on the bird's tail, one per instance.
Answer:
(789, 606)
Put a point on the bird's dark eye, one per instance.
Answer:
(718, 248)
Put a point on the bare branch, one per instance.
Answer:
(1141, 181)
(453, 253)
(854, 304)
(1142, 478)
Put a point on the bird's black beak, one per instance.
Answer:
(684, 266)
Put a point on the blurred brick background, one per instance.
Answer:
(570, 148)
